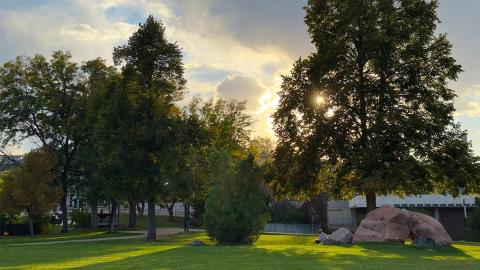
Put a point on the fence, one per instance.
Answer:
(292, 228)
(339, 217)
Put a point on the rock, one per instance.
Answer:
(197, 243)
(424, 243)
(389, 224)
(426, 227)
(341, 236)
(385, 224)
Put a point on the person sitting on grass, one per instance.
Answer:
(322, 237)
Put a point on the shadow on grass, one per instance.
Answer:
(270, 252)
(243, 257)
(74, 235)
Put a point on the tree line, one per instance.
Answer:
(116, 135)
(368, 112)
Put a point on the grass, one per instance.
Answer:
(270, 252)
(73, 235)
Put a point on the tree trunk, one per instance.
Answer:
(170, 209)
(30, 223)
(93, 214)
(371, 202)
(132, 219)
(152, 226)
(186, 217)
(113, 212)
(142, 210)
(63, 208)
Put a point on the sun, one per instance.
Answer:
(320, 100)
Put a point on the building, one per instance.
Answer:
(8, 162)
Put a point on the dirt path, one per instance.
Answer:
(141, 234)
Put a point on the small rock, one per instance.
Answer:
(341, 236)
(425, 242)
(197, 243)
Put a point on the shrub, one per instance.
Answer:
(80, 219)
(235, 210)
(286, 212)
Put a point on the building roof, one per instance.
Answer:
(7, 162)
(433, 200)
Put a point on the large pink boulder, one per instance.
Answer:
(389, 224)
(426, 227)
(385, 224)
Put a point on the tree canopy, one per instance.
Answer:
(31, 188)
(42, 101)
(370, 111)
(153, 80)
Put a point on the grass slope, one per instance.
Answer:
(270, 252)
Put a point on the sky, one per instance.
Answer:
(232, 48)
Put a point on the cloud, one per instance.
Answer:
(242, 88)
(85, 32)
(232, 48)
(468, 102)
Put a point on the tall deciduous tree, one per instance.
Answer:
(91, 184)
(227, 127)
(31, 187)
(40, 100)
(153, 76)
(370, 111)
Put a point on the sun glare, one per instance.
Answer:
(319, 100)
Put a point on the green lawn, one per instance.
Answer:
(270, 252)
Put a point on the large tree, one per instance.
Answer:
(153, 77)
(370, 111)
(41, 101)
(227, 128)
(31, 188)
(99, 81)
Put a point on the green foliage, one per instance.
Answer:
(227, 124)
(43, 101)
(81, 219)
(152, 128)
(101, 83)
(285, 212)
(31, 187)
(370, 111)
(227, 127)
(262, 150)
(473, 223)
(152, 61)
(235, 210)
